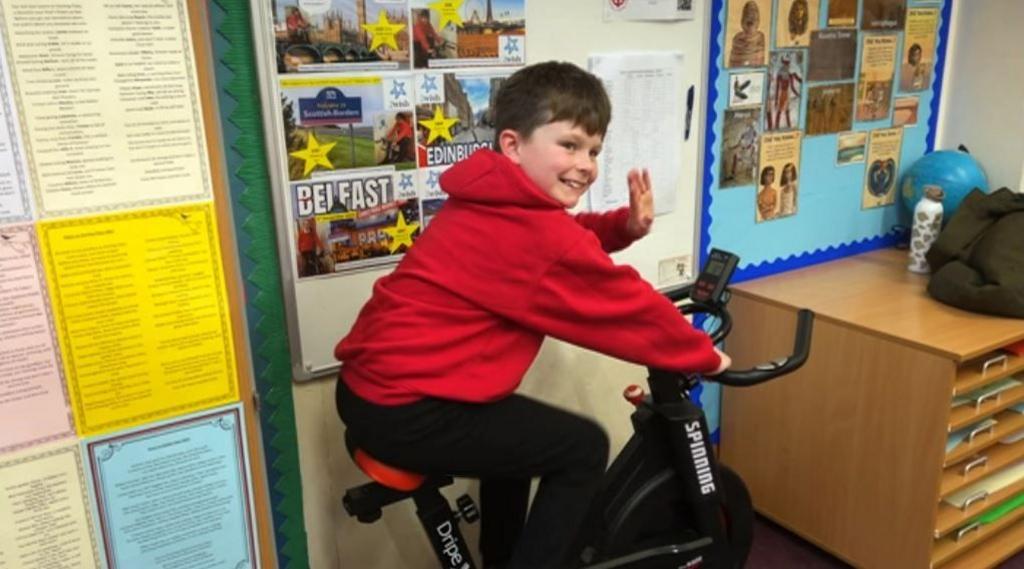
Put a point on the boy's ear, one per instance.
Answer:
(509, 142)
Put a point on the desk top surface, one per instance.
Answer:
(875, 292)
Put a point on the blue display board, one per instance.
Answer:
(831, 220)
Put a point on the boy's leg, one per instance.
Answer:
(503, 506)
(515, 437)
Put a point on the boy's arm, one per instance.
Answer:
(618, 228)
(587, 300)
(610, 228)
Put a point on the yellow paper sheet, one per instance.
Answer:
(45, 511)
(109, 102)
(141, 309)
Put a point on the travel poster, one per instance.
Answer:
(829, 108)
(877, 68)
(334, 123)
(44, 506)
(785, 90)
(883, 164)
(353, 219)
(919, 49)
(833, 55)
(33, 402)
(453, 115)
(461, 33)
(747, 27)
(175, 494)
(142, 316)
(113, 119)
(333, 35)
(778, 176)
(795, 21)
(883, 15)
(741, 130)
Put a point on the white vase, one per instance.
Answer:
(927, 223)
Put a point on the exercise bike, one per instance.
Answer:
(665, 502)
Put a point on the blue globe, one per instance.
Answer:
(955, 171)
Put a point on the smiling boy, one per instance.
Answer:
(431, 365)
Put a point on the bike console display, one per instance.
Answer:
(714, 277)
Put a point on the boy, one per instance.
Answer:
(431, 364)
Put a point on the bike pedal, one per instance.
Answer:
(467, 508)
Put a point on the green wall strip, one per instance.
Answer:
(249, 181)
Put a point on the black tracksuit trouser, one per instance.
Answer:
(503, 444)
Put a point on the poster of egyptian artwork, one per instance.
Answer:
(919, 49)
(353, 219)
(795, 21)
(740, 135)
(453, 115)
(833, 55)
(829, 108)
(785, 90)
(334, 123)
(746, 89)
(842, 13)
(332, 35)
(778, 168)
(883, 15)
(877, 68)
(748, 23)
(459, 33)
(883, 163)
(904, 111)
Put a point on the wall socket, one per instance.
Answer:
(674, 270)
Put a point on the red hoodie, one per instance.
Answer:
(502, 266)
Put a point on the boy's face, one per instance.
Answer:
(560, 157)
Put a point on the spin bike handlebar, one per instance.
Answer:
(762, 372)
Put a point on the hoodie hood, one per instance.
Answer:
(488, 177)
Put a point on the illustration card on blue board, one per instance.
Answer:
(176, 493)
(778, 167)
(746, 89)
(887, 15)
(842, 13)
(452, 33)
(340, 123)
(919, 49)
(796, 19)
(747, 25)
(851, 147)
(785, 90)
(877, 70)
(455, 119)
(833, 55)
(331, 35)
(883, 164)
(904, 111)
(829, 108)
(741, 130)
(353, 219)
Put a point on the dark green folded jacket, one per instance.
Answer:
(978, 260)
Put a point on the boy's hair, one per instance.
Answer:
(550, 92)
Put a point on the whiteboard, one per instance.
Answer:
(321, 310)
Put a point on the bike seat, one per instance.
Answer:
(382, 473)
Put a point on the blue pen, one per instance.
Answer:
(689, 111)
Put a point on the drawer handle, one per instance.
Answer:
(1003, 359)
(973, 526)
(979, 431)
(986, 397)
(979, 496)
(976, 463)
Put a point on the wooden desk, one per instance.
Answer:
(849, 451)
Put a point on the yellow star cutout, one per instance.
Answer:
(449, 10)
(314, 155)
(383, 32)
(439, 126)
(401, 233)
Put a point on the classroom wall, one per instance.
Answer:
(573, 378)
(982, 108)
